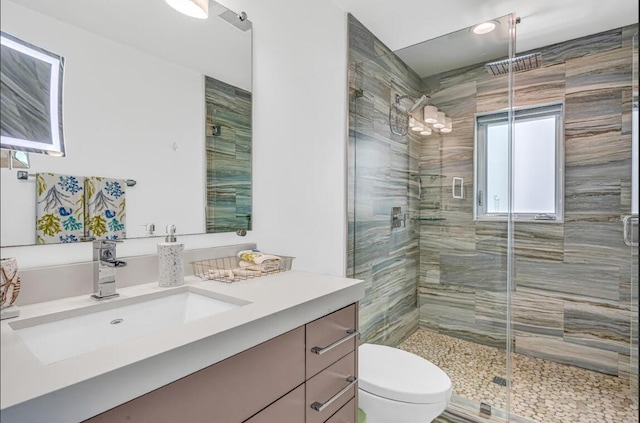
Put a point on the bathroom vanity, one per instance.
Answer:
(286, 353)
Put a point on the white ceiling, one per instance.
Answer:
(401, 23)
(152, 26)
(458, 49)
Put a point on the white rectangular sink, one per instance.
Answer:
(59, 336)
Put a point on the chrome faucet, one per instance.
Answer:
(104, 269)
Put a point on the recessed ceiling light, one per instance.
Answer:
(484, 28)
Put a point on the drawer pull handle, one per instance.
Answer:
(352, 333)
(321, 406)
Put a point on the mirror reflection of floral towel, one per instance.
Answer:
(105, 212)
(59, 208)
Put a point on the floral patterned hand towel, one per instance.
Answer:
(59, 208)
(105, 211)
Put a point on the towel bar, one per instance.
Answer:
(24, 175)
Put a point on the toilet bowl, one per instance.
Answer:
(395, 386)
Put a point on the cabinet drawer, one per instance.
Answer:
(324, 336)
(346, 414)
(288, 409)
(327, 391)
(230, 391)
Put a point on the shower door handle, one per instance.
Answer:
(630, 236)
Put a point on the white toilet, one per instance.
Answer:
(396, 386)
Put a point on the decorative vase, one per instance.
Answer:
(10, 286)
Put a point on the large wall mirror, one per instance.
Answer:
(150, 95)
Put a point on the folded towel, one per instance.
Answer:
(59, 208)
(255, 256)
(105, 208)
(270, 265)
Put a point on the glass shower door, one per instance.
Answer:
(436, 279)
(631, 223)
(575, 298)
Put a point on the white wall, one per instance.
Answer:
(300, 115)
(299, 139)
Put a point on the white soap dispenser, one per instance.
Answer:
(170, 259)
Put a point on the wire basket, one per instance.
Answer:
(228, 269)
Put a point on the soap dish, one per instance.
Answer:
(228, 269)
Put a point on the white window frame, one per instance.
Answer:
(480, 161)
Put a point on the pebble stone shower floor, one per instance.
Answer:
(542, 391)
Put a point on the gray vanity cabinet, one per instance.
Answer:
(281, 380)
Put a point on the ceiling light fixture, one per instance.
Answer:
(447, 126)
(430, 114)
(195, 8)
(415, 125)
(484, 28)
(441, 121)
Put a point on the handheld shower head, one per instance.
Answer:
(422, 101)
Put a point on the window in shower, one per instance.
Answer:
(538, 152)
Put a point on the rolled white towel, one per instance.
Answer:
(246, 272)
(256, 257)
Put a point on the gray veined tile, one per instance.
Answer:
(360, 38)
(625, 370)
(491, 237)
(456, 101)
(627, 107)
(373, 321)
(485, 271)
(604, 70)
(562, 52)
(605, 328)
(539, 240)
(491, 317)
(492, 95)
(592, 200)
(537, 314)
(557, 350)
(539, 86)
(441, 304)
(595, 242)
(591, 112)
(599, 281)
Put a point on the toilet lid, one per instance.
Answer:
(401, 376)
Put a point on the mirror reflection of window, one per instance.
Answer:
(14, 159)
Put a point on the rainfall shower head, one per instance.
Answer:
(518, 64)
(422, 101)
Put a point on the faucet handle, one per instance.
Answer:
(105, 243)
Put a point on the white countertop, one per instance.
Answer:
(80, 387)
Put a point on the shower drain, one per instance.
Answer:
(500, 380)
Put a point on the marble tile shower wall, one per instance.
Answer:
(382, 171)
(228, 156)
(573, 301)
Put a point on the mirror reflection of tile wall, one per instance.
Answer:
(228, 144)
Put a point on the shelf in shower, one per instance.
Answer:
(428, 219)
